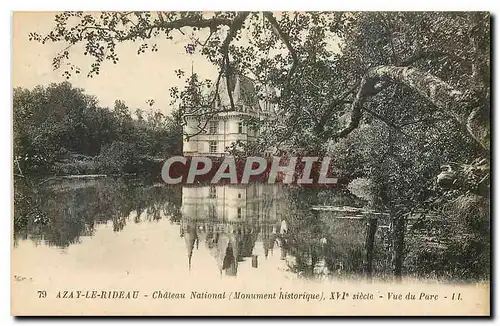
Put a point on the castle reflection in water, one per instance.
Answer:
(234, 222)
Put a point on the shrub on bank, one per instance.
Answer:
(75, 168)
(119, 157)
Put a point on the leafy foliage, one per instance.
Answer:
(392, 96)
(57, 125)
(62, 212)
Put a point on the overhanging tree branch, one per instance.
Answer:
(233, 30)
(386, 121)
(286, 39)
(367, 87)
(442, 95)
(434, 54)
(212, 23)
(235, 26)
(340, 100)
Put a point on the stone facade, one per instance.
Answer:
(234, 222)
(225, 128)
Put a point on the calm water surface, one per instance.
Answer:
(124, 227)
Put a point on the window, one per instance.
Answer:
(213, 192)
(213, 127)
(212, 212)
(239, 212)
(213, 146)
(239, 195)
(240, 127)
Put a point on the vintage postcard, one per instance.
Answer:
(251, 163)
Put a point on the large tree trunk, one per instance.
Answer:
(398, 243)
(371, 230)
(444, 97)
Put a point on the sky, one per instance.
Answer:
(134, 79)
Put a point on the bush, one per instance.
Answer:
(118, 157)
(76, 167)
(363, 188)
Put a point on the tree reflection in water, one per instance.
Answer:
(233, 222)
(62, 212)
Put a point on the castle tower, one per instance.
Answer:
(233, 221)
(225, 128)
(190, 237)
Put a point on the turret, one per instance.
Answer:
(190, 237)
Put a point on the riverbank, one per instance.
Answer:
(89, 167)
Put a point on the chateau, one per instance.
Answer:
(234, 222)
(225, 128)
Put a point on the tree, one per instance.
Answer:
(331, 72)
(394, 96)
(49, 122)
(60, 123)
(385, 48)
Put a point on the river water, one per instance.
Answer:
(124, 226)
(163, 242)
(112, 228)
